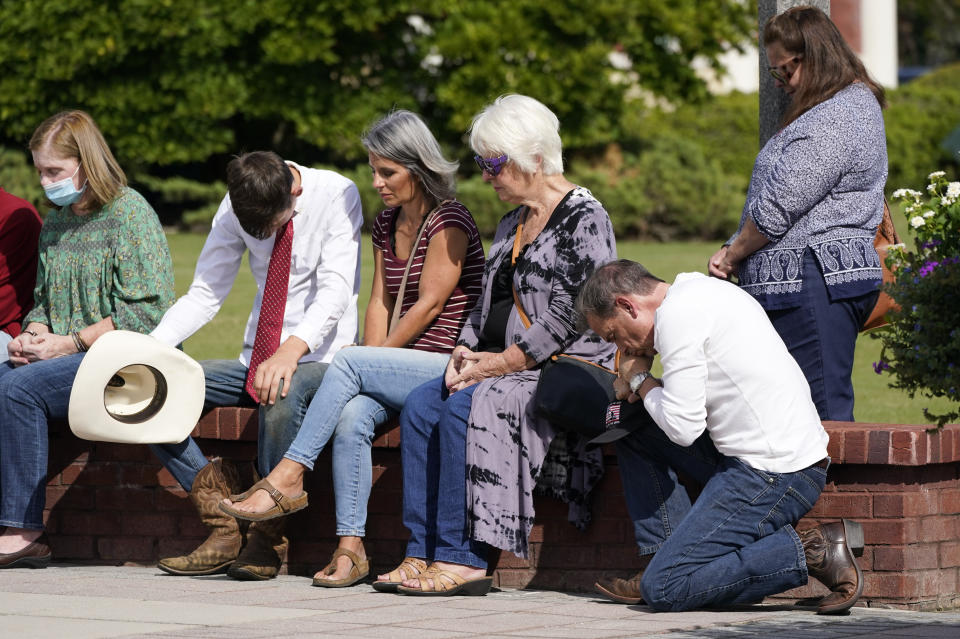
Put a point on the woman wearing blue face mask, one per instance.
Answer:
(104, 265)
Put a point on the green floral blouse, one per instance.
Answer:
(112, 263)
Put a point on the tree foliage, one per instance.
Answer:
(175, 82)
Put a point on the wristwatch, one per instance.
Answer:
(637, 380)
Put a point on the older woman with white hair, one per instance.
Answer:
(428, 264)
(472, 445)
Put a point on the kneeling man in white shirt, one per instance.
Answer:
(733, 410)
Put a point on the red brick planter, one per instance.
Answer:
(113, 502)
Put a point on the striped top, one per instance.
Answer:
(441, 335)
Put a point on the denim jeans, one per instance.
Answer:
(647, 460)
(821, 334)
(362, 388)
(30, 396)
(279, 423)
(433, 448)
(735, 544)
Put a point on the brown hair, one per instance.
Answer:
(259, 184)
(74, 134)
(829, 64)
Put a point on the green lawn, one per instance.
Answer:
(875, 402)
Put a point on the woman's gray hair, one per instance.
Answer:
(402, 137)
(521, 128)
(598, 295)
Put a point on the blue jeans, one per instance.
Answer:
(225, 379)
(30, 396)
(433, 448)
(363, 387)
(821, 334)
(735, 544)
(647, 460)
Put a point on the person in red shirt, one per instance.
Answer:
(19, 240)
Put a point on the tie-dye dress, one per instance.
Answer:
(507, 441)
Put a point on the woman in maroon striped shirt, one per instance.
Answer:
(427, 244)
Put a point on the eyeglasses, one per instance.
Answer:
(780, 73)
(493, 166)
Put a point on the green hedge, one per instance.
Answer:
(919, 118)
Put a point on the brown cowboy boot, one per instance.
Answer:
(214, 482)
(829, 550)
(626, 591)
(263, 554)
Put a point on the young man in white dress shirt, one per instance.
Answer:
(734, 412)
(319, 318)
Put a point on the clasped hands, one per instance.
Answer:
(27, 348)
(630, 365)
(721, 266)
(467, 367)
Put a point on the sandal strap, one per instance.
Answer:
(407, 566)
(343, 552)
(436, 577)
(281, 500)
(355, 563)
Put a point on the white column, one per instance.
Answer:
(878, 33)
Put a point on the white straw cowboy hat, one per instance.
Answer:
(133, 389)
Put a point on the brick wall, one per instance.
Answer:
(115, 503)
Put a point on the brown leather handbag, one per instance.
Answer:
(886, 237)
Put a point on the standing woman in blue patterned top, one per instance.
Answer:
(804, 249)
(104, 265)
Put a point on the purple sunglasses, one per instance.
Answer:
(493, 166)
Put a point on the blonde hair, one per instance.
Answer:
(74, 134)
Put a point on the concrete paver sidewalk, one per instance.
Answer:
(86, 602)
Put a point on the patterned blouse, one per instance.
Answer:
(507, 440)
(111, 263)
(818, 183)
(441, 335)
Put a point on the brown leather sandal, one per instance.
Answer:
(435, 582)
(282, 505)
(409, 568)
(359, 571)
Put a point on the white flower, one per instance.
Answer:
(917, 221)
(953, 190)
(897, 247)
(932, 188)
(935, 175)
(947, 201)
(929, 214)
(905, 193)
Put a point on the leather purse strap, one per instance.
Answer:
(398, 304)
(525, 319)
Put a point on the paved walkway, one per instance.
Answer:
(83, 602)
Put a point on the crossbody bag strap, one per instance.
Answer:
(523, 314)
(398, 303)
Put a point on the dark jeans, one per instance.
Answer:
(433, 445)
(735, 544)
(821, 335)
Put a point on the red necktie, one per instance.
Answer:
(270, 323)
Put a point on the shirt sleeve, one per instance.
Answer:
(143, 270)
(216, 271)
(680, 407)
(18, 262)
(336, 270)
(811, 163)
